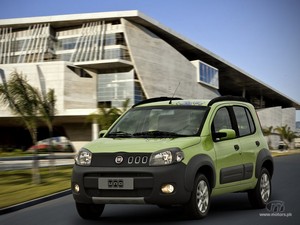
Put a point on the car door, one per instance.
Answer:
(248, 140)
(229, 164)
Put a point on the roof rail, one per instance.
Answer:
(227, 98)
(157, 99)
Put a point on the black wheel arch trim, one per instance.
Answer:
(195, 164)
(264, 156)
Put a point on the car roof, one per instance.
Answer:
(187, 102)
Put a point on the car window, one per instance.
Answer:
(160, 121)
(222, 120)
(244, 121)
(251, 121)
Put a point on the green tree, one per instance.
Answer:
(46, 110)
(124, 108)
(106, 116)
(31, 105)
(23, 102)
(286, 134)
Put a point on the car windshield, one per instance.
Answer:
(159, 122)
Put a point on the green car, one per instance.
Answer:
(174, 152)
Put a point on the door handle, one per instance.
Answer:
(236, 147)
(257, 143)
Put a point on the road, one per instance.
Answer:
(229, 209)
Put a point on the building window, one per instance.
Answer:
(207, 74)
(116, 53)
(138, 92)
(117, 87)
(80, 72)
(67, 43)
(114, 39)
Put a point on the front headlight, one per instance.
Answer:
(166, 157)
(83, 158)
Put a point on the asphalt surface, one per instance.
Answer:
(228, 209)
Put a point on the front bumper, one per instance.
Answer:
(146, 188)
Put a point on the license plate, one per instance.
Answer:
(115, 183)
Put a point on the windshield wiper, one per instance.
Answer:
(119, 134)
(157, 134)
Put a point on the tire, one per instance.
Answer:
(261, 194)
(199, 203)
(89, 211)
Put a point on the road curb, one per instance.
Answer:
(34, 202)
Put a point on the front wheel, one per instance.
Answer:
(199, 203)
(261, 194)
(89, 211)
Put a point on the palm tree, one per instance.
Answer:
(24, 103)
(286, 134)
(106, 116)
(46, 109)
(124, 108)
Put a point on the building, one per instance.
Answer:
(104, 58)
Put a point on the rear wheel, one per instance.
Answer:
(261, 194)
(89, 211)
(199, 203)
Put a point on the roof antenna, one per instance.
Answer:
(170, 102)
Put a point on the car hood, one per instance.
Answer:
(111, 145)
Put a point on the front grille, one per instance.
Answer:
(120, 159)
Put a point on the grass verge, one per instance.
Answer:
(16, 185)
(15, 154)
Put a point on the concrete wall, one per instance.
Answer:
(71, 90)
(79, 92)
(43, 76)
(289, 118)
(160, 67)
(76, 96)
(270, 117)
(276, 117)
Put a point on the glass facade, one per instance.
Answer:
(138, 92)
(92, 41)
(66, 43)
(41, 42)
(25, 46)
(114, 88)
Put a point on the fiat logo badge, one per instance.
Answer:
(119, 159)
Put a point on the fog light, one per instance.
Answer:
(76, 188)
(167, 189)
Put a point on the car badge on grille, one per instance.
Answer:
(119, 159)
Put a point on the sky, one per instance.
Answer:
(261, 37)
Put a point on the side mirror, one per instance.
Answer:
(101, 133)
(225, 134)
